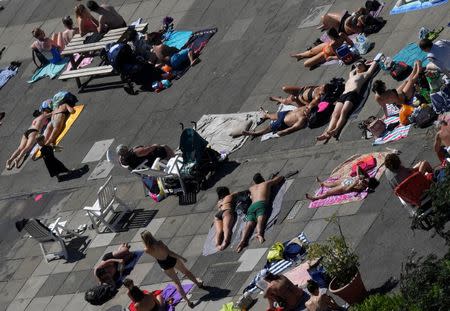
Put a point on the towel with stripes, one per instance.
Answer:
(277, 267)
(401, 131)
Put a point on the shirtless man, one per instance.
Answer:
(225, 217)
(111, 267)
(282, 291)
(442, 140)
(174, 57)
(283, 122)
(350, 99)
(108, 19)
(57, 123)
(257, 211)
(319, 301)
(403, 94)
(28, 139)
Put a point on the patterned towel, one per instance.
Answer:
(416, 5)
(343, 170)
(401, 131)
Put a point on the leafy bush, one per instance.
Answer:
(381, 303)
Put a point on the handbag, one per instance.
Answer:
(377, 128)
(425, 116)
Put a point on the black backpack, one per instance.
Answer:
(400, 71)
(318, 119)
(100, 294)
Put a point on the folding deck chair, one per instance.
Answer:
(55, 232)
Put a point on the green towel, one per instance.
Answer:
(49, 70)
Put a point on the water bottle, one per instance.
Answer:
(166, 83)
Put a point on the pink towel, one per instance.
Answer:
(85, 62)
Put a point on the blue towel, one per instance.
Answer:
(176, 38)
(416, 5)
(129, 267)
(49, 70)
(410, 53)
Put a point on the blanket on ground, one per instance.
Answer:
(281, 107)
(399, 132)
(410, 53)
(217, 129)
(49, 70)
(169, 294)
(210, 248)
(342, 171)
(415, 5)
(177, 39)
(129, 267)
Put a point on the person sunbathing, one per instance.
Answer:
(319, 301)
(28, 139)
(324, 52)
(108, 17)
(111, 267)
(256, 216)
(396, 172)
(283, 122)
(442, 140)
(174, 57)
(350, 98)
(137, 155)
(70, 31)
(86, 22)
(57, 123)
(282, 291)
(224, 219)
(144, 301)
(45, 46)
(303, 95)
(402, 95)
(344, 185)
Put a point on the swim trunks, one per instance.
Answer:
(168, 263)
(256, 210)
(219, 214)
(28, 132)
(278, 124)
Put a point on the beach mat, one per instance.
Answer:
(69, 122)
(216, 129)
(416, 5)
(177, 38)
(410, 53)
(344, 170)
(209, 247)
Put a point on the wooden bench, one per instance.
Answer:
(91, 73)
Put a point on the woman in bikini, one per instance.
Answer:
(86, 22)
(57, 123)
(303, 95)
(143, 300)
(169, 261)
(28, 139)
(325, 51)
(402, 95)
(224, 219)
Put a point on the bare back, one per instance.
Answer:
(110, 17)
(286, 292)
(39, 122)
(148, 303)
(260, 192)
(159, 251)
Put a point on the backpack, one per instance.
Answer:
(344, 54)
(100, 294)
(363, 126)
(64, 97)
(400, 71)
(425, 117)
(118, 55)
(319, 117)
(441, 100)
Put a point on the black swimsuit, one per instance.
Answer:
(29, 131)
(168, 263)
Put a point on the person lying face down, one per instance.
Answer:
(133, 157)
(303, 96)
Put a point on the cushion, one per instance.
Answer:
(239, 126)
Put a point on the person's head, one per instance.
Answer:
(121, 150)
(40, 140)
(258, 179)
(93, 6)
(333, 34)
(379, 87)
(361, 66)
(392, 162)
(361, 21)
(81, 11)
(148, 239)
(222, 192)
(426, 45)
(326, 88)
(128, 283)
(312, 287)
(101, 273)
(36, 113)
(67, 22)
(441, 124)
(38, 33)
(154, 38)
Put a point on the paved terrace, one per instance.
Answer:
(244, 63)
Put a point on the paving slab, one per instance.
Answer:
(92, 256)
(73, 282)
(76, 303)
(250, 258)
(10, 291)
(19, 305)
(27, 267)
(52, 284)
(195, 246)
(38, 304)
(8, 268)
(31, 287)
(139, 272)
(153, 227)
(103, 239)
(58, 302)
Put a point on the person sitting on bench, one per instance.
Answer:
(396, 172)
(111, 267)
(46, 49)
(86, 22)
(70, 31)
(135, 156)
(108, 17)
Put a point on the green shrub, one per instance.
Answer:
(381, 303)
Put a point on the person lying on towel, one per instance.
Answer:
(111, 267)
(57, 122)
(345, 185)
(133, 157)
(225, 217)
(302, 95)
(350, 99)
(402, 95)
(175, 58)
(257, 212)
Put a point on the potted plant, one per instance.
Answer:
(341, 264)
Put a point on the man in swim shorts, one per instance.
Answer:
(283, 122)
(256, 213)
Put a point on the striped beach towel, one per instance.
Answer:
(277, 267)
(401, 131)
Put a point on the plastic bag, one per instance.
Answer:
(275, 252)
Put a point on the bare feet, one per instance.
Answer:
(310, 197)
(260, 238)
(18, 162)
(298, 57)
(9, 164)
(240, 247)
(324, 136)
